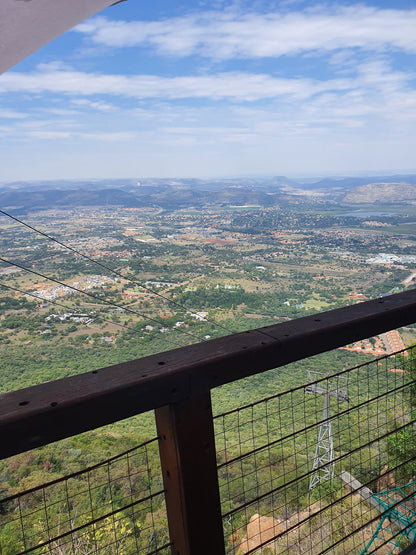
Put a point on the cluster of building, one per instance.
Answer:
(159, 284)
(385, 258)
(89, 282)
(90, 244)
(78, 318)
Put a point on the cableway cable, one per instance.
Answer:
(91, 295)
(114, 271)
(66, 307)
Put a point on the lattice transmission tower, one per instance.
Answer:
(323, 462)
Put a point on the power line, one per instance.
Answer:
(109, 303)
(125, 326)
(116, 272)
(68, 308)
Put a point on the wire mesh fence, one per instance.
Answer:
(327, 467)
(116, 507)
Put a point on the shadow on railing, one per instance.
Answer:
(253, 480)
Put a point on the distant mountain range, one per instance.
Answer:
(382, 192)
(184, 193)
(166, 197)
(347, 183)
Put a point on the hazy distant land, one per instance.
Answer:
(172, 194)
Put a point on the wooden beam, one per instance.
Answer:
(188, 459)
(44, 413)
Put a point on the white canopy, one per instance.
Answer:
(27, 25)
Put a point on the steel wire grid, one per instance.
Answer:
(266, 451)
(115, 507)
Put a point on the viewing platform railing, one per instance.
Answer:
(240, 482)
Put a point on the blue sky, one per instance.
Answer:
(217, 88)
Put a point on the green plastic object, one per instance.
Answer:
(398, 518)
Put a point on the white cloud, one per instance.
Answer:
(237, 86)
(116, 136)
(49, 134)
(6, 130)
(112, 136)
(95, 105)
(224, 35)
(12, 114)
(37, 124)
(375, 89)
(284, 107)
(62, 112)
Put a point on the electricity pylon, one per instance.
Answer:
(323, 462)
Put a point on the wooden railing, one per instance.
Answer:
(177, 385)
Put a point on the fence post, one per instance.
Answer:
(187, 454)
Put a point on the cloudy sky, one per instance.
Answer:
(217, 88)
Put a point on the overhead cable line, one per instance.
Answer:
(116, 272)
(52, 301)
(109, 303)
(109, 269)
